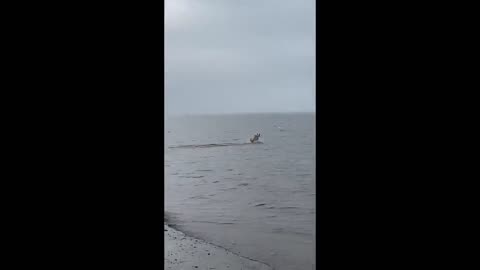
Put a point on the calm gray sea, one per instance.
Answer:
(257, 200)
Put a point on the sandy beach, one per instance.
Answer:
(185, 252)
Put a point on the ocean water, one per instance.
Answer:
(256, 200)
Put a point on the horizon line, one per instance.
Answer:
(237, 113)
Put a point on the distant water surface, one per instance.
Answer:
(257, 200)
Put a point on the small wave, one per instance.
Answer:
(213, 222)
(259, 204)
(200, 176)
(276, 207)
(278, 230)
(225, 189)
(198, 197)
(211, 145)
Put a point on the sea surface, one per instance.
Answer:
(256, 200)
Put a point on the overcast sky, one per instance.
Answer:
(229, 56)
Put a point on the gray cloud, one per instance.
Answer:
(229, 56)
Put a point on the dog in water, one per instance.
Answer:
(255, 138)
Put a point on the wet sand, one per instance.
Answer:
(185, 252)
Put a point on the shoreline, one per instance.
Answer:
(185, 252)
